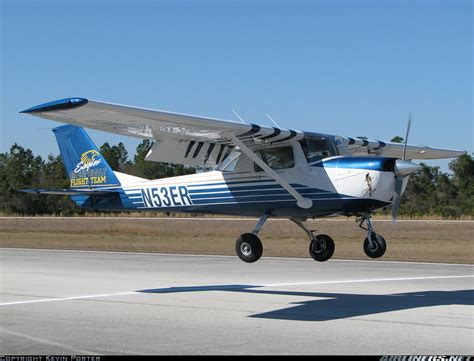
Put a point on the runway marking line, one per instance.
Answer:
(46, 342)
(228, 256)
(240, 219)
(224, 287)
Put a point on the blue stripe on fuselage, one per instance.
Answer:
(267, 198)
(251, 204)
(273, 193)
(210, 193)
(298, 187)
(268, 180)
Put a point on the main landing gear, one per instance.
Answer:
(321, 246)
(374, 245)
(249, 248)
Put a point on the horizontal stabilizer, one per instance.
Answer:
(70, 192)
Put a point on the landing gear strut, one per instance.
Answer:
(248, 246)
(321, 246)
(374, 245)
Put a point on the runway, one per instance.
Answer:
(78, 302)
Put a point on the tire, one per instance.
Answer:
(379, 246)
(249, 248)
(322, 248)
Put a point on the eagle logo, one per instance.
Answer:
(88, 160)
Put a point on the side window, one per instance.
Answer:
(231, 162)
(276, 158)
(315, 149)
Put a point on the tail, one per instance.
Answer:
(85, 166)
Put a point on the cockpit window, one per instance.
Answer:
(276, 158)
(317, 148)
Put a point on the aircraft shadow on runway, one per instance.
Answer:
(332, 306)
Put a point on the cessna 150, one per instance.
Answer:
(257, 170)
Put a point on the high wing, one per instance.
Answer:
(180, 138)
(194, 140)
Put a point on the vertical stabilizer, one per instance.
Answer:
(86, 167)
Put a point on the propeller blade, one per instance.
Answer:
(406, 138)
(403, 168)
(397, 197)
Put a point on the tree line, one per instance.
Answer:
(430, 192)
(21, 169)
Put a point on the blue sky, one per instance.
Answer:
(354, 68)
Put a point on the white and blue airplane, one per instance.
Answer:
(257, 170)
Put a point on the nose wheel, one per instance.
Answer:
(374, 245)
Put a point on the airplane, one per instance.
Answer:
(256, 170)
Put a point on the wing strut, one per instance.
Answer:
(302, 202)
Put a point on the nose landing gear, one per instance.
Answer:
(374, 245)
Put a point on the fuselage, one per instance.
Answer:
(337, 185)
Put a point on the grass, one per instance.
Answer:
(427, 241)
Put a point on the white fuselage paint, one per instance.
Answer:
(225, 188)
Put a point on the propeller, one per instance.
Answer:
(403, 168)
(406, 138)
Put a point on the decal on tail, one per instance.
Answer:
(85, 166)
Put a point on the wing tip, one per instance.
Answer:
(61, 104)
(33, 191)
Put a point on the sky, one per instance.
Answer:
(351, 68)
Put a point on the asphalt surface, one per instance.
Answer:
(74, 302)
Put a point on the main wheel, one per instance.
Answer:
(322, 248)
(378, 247)
(249, 247)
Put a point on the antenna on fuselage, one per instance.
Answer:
(269, 117)
(238, 116)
